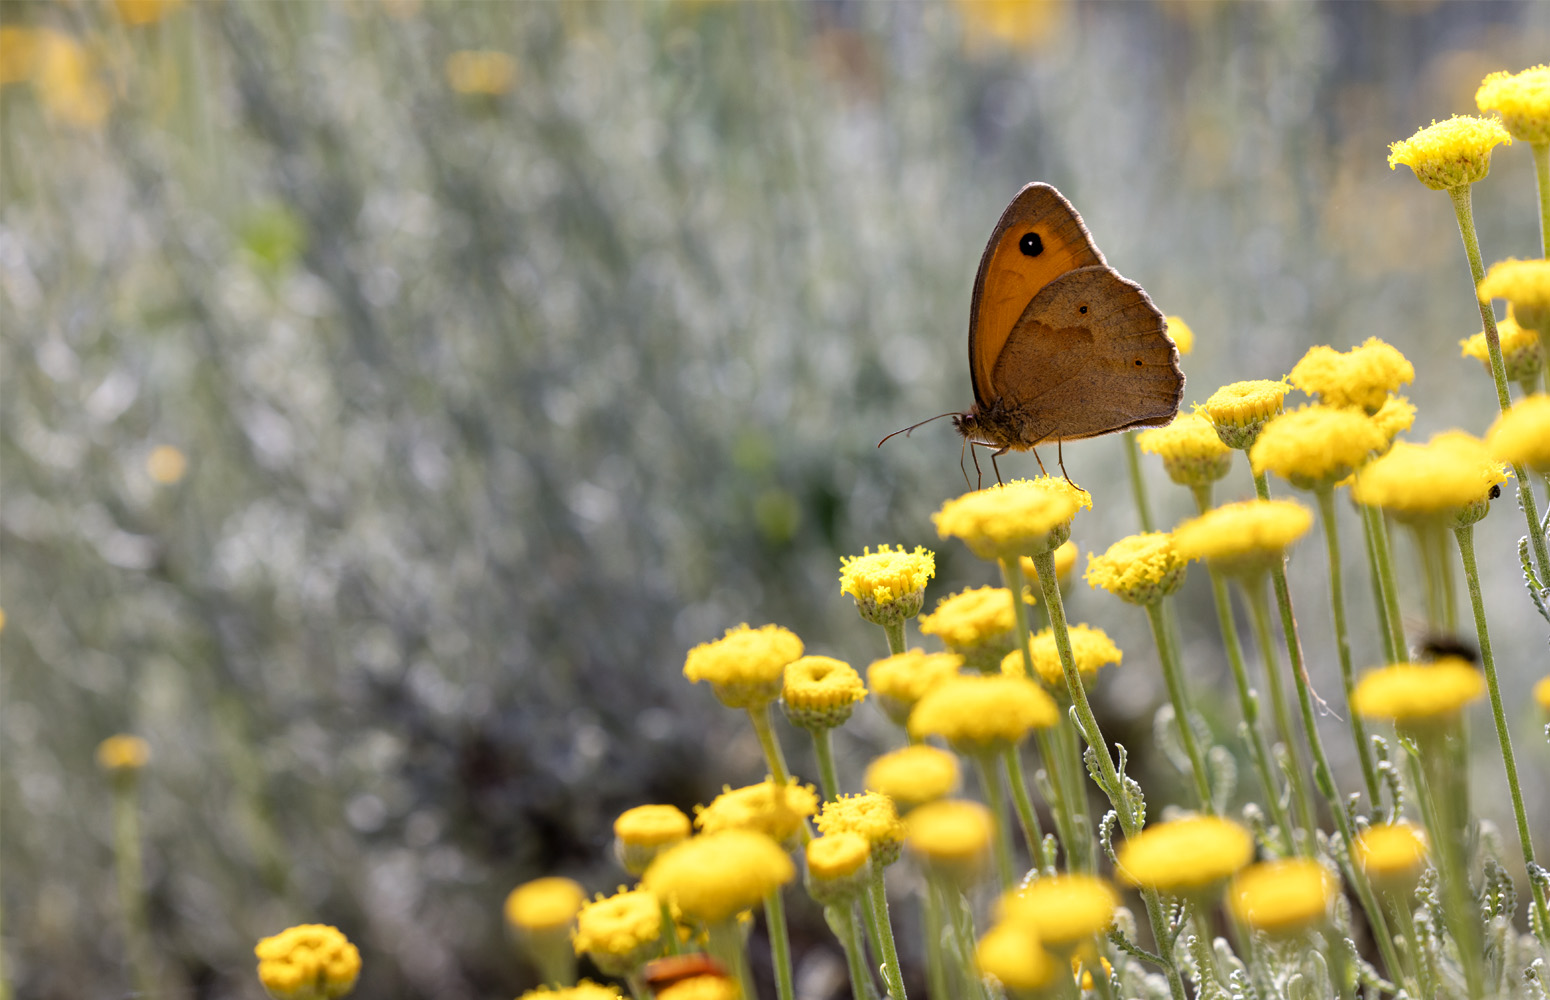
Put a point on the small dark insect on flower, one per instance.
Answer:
(1442, 645)
(1496, 490)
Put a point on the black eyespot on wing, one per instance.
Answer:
(1082, 310)
(1031, 245)
(1138, 362)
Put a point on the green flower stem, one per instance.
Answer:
(1326, 498)
(780, 942)
(1068, 747)
(1541, 151)
(995, 799)
(1435, 790)
(1181, 708)
(725, 943)
(895, 633)
(828, 777)
(877, 897)
(1137, 481)
(960, 923)
(1022, 804)
(1386, 590)
(1248, 701)
(131, 881)
(874, 930)
(1205, 954)
(764, 727)
(638, 990)
(1466, 543)
(1129, 813)
(670, 930)
(1061, 794)
(1466, 221)
(936, 966)
(1420, 977)
(1302, 798)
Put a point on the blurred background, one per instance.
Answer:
(392, 392)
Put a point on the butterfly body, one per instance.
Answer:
(1061, 347)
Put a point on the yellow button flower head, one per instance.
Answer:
(544, 904)
(1542, 693)
(1063, 911)
(701, 988)
(977, 624)
(123, 754)
(838, 866)
(620, 932)
(1283, 897)
(1192, 453)
(1522, 354)
(1239, 410)
(889, 585)
(868, 815)
(1140, 569)
(584, 990)
(951, 838)
(640, 834)
(899, 681)
(1526, 285)
(1395, 416)
(1091, 648)
(1418, 694)
(1243, 539)
(1522, 99)
(1314, 447)
(746, 666)
(1391, 854)
(1065, 562)
(1014, 957)
(982, 715)
(308, 962)
(820, 692)
(1522, 434)
(914, 775)
(770, 808)
(474, 71)
(1450, 477)
(68, 78)
(1185, 855)
(1450, 154)
(1022, 518)
(1362, 377)
(1182, 336)
(713, 877)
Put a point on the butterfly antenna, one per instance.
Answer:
(907, 430)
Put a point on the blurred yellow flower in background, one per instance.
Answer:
(1245, 537)
(481, 72)
(1522, 99)
(1523, 283)
(1316, 446)
(1178, 330)
(1418, 692)
(1185, 855)
(913, 775)
(142, 12)
(1361, 377)
(983, 714)
(899, 681)
(951, 837)
(1390, 852)
(1062, 910)
(621, 931)
(544, 904)
(1065, 562)
(714, 876)
(1091, 648)
(308, 962)
(1011, 22)
(1522, 353)
(870, 815)
(1192, 453)
(641, 833)
(67, 77)
(1013, 956)
(1282, 897)
(166, 464)
(1452, 472)
(123, 753)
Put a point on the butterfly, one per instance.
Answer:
(1061, 347)
(661, 973)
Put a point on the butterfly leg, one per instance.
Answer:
(1061, 458)
(1036, 458)
(993, 464)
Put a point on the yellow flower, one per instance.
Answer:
(1522, 434)
(820, 692)
(1014, 957)
(1418, 693)
(1141, 569)
(913, 776)
(621, 931)
(1396, 414)
(1065, 562)
(1451, 476)
(1362, 377)
(869, 815)
(1010, 22)
(1185, 855)
(1390, 853)
(68, 81)
(544, 904)
(142, 12)
(1450, 154)
(1542, 693)
(951, 837)
(1525, 284)
(1022, 518)
(1063, 911)
(166, 464)
(975, 623)
(770, 808)
(1239, 410)
(640, 834)
(1522, 354)
(714, 876)
(899, 681)
(1282, 897)
(1192, 453)
(889, 585)
(584, 990)
(1183, 337)
(123, 754)
(307, 962)
(480, 72)
(1243, 539)
(837, 866)
(983, 714)
(701, 988)
(18, 54)
(1522, 99)
(1316, 446)
(746, 666)
(1091, 648)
